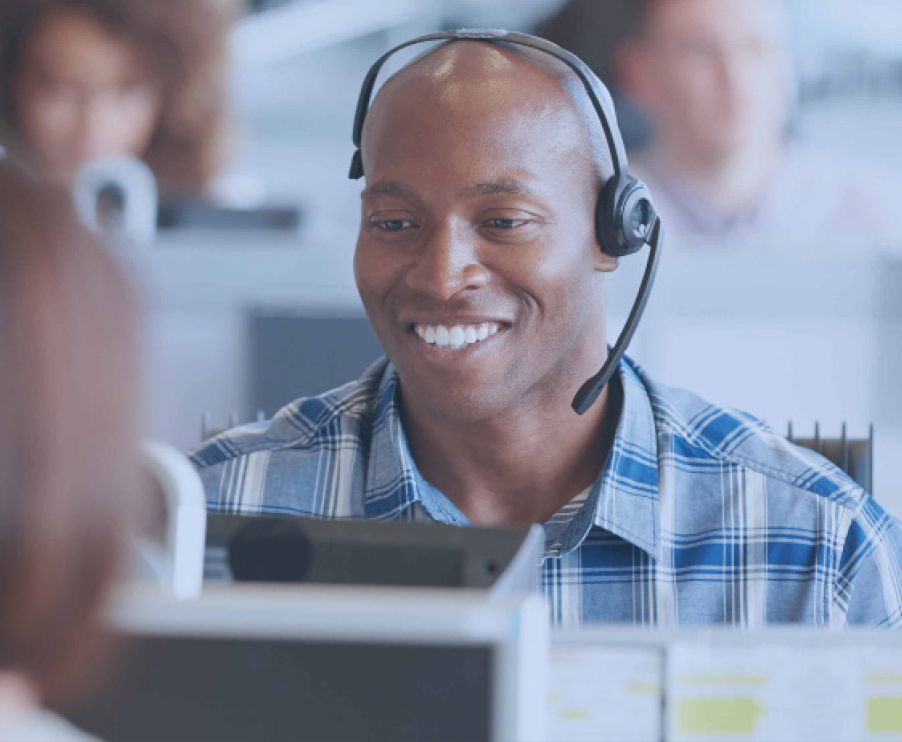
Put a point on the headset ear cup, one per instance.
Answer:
(624, 217)
(604, 218)
(636, 217)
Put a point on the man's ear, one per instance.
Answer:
(605, 263)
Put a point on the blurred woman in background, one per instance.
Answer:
(88, 79)
(68, 482)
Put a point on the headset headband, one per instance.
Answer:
(601, 99)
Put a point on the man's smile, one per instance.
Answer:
(455, 336)
(454, 341)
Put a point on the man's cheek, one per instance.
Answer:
(372, 308)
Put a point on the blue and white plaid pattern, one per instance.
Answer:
(701, 515)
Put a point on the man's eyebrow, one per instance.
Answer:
(390, 188)
(494, 187)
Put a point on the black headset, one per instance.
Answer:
(625, 220)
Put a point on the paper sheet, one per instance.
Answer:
(785, 692)
(600, 693)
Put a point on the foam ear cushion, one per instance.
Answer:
(606, 222)
(614, 216)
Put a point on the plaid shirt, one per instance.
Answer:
(701, 515)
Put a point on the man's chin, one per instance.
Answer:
(455, 404)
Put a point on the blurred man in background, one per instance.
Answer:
(717, 82)
(717, 85)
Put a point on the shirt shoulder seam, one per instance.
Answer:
(350, 406)
(848, 496)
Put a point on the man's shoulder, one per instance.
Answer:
(702, 433)
(307, 423)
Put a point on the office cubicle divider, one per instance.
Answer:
(186, 518)
(325, 663)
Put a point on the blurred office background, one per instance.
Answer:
(247, 319)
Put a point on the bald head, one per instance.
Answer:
(495, 81)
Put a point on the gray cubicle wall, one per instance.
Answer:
(300, 354)
(222, 688)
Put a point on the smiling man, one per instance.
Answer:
(480, 270)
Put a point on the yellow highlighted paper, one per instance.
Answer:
(575, 714)
(718, 716)
(722, 679)
(644, 689)
(885, 714)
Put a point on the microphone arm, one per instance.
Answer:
(589, 391)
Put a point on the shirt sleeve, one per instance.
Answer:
(869, 580)
(224, 463)
(216, 494)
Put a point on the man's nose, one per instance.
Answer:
(447, 264)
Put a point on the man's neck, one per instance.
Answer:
(733, 183)
(518, 467)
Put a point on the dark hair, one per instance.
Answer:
(184, 42)
(67, 441)
(594, 30)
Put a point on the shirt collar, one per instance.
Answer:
(394, 483)
(624, 499)
(627, 499)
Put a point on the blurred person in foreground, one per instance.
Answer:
(67, 452)
(716, 79)
(87, 79)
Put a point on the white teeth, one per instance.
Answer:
(456, 336)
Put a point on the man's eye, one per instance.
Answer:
(500, 223)
(393, 225)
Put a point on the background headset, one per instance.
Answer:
(625, 220)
